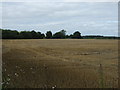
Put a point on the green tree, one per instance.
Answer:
(49, 35)
(60, 35)
(76, 35)
(8, 34)
(34, 34)
(42, 36)
(63, 32)
(25, 35)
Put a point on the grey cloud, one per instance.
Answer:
(86, 17)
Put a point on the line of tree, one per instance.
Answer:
(99, 37)
(14, 34)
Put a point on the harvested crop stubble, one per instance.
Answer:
(60, 63)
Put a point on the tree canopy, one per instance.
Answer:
(14, 34)
(60, 35)
(49, 35)
(76, 35)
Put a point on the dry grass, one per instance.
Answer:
(65, 63)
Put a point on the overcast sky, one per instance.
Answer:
(96, 18)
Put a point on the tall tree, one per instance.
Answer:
(42, 36)
(49, 35)
(60, 35)
(76, 35)
(26, 35)
(34, 34)
(8, 34)
(63, 32)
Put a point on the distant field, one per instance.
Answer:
(64, 63)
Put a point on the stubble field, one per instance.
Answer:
(60, 63)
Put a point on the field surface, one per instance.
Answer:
(60, 63)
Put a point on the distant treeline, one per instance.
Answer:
(99, 37)
(14, 34)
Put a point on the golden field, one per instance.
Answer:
(60, 63)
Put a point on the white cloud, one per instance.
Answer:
(0, 14)
(61, 0)
(86, 17)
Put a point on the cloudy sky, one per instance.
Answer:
(90, 18)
